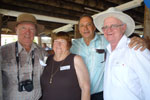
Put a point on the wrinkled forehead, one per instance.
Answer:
(26, 23)
(112, 19)
(85, 19)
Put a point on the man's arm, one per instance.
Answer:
(138, 42)
(140, 62)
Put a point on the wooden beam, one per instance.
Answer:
(95, 4)
(40, 8)
(119, 2)
(138, 17)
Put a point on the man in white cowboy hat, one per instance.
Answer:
(21, 69)
(127, 72)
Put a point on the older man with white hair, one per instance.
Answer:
(21, 68)
(127, 72)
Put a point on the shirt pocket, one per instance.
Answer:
(100, 57)
(119, 73)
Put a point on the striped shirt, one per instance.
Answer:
(10, 70)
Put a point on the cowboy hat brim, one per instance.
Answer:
(99, 20)
(12, 24)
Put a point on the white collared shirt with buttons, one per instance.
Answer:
(127, 73)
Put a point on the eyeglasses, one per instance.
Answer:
(113, 26)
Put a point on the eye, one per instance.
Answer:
(114, 26)
(32, 29)
(23, 28)
(89, 24)
(81, 25)
(104, 27)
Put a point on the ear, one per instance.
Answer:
(16, 30)
(94, 27)
(124, 27)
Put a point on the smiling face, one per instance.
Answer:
(113, 29)
(25, 32)
(86, 27)
(60, 46)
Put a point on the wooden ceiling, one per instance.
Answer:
(65, 9)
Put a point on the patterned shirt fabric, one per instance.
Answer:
(10, 70)
(127, 73)
(92, 59)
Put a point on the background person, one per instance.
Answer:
(91, 47)
(65, 76)
(127, 71)
(48, 50)
(21, 69)
(45, 47)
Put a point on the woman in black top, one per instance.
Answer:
(65, 76)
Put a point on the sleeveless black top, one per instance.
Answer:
(64, 84)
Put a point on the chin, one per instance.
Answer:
(110, 40)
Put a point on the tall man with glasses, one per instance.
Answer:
(91, 47)
(127, 72)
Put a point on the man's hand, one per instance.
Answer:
(138, 43)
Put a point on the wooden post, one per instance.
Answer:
(77, 33)
(147, 25)
(147, 22)
(0, 27)
(39, 40)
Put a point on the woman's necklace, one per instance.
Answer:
(53, 73)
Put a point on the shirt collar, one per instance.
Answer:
(20, 47)
(95, 38)
(122, 43)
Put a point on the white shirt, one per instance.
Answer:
(127, 73)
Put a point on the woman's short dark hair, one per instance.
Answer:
(62, 35)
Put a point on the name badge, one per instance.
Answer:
(42, 63)
(67, 67)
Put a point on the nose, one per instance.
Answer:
(59, 43)
(85, 27)
(28, 30)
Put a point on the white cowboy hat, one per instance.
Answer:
(99, 19)
(25, 18)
